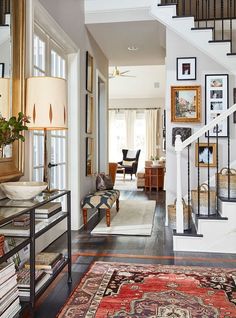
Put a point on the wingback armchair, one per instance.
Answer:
(129, 162)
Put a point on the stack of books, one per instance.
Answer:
(48, 262)
(22, 220)
(9, 294)
(10, 229)
(23, 279)
(2, 239)
(48, 212)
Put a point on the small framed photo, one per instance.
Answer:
(185, 104)
(186, 68)
(205, 153)
(2, 70)
(89, 72)
(184, 132)
(89, 156)
(89, 114)
(216, 95)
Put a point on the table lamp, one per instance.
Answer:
(46, 105)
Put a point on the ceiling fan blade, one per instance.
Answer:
(127, 75)
(124, 72)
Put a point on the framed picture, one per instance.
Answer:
(216, 86)
(89, 114)
(89, 156)
(185, 103)
(186, 68)
(184, 132)
(234, 101)
(89, 72)
(205, 152)
(2, 70)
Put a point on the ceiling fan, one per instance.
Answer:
(117, 73)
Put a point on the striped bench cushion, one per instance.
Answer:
(100, 199)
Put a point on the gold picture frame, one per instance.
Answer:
(89, 156)
(89, 72)
(203, 151)
(89, 114)
(185, 104)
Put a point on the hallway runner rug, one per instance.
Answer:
(112, 290)
(135, 217)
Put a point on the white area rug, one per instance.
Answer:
(135, 217)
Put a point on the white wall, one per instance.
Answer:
(5, 56)
(137, 103)
(177, 47)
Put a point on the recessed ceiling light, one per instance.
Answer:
(132, 48)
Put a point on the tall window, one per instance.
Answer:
(49, 60)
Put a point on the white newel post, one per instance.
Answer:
(179, 203)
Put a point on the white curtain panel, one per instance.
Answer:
(151, 117)
(112, 136)
(130, 116)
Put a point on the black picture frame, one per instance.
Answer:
(216, 102)
(89, 72)
(186, 68)
(234, 101)
(184, 132)
(2, 70)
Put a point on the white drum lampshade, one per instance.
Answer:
(46, 103)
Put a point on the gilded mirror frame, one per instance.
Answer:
(12, 168)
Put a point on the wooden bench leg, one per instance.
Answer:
(108, 217)
(117, 204)
(85, 217)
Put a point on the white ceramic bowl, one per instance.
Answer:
(22, 190)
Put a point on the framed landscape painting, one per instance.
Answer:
(185, 103)
(216, 86)
(205, 153)
(89, 114)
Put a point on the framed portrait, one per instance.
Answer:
(89, 114)
(234, 101)
(89, 72)
(216, 95)
(89, 156)
(2, 70)
(185, 104)
(186, 68)
(205, 153)
(184, 132)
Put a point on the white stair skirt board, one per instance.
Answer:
(198, 38)
(135, 217)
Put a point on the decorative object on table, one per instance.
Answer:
(22, 220)
(5, 97)
(147, 290)
(186, 68)
(225, 178)
(155, 160)
(2, 69)
(89, 156)
(45, 260)
(203, 200)
(10, 229)
(217, 101)
(11, 129)
(46, 104)
(89, 114)
(187, 210)
(184, 132)
(234, 101)
(24, 190)
(205, 153)
(89, 72)
(185, 104)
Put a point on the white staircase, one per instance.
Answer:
(185, 27)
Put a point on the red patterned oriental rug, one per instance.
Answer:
(153, 291)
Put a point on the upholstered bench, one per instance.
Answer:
(101, 200)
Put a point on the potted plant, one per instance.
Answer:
(11, 130)
(155, 160)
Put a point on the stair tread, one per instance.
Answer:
(166, 4)
(231, 54)
(188, 233)
(219, 41)
(227, 200)
(211, 217)
(202, 28)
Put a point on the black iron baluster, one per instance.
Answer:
(198, 180)
(222, 17)
(184, 8)
(190, 8)
(228, 158)
(231, 26)
(206, 7)
(197, 12)
(189, 210)
(214, 32)
(208, 172)
(217, 167)
(202, 18)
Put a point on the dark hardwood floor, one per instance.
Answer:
(154, 249)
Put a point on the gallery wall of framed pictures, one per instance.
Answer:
(89, 115)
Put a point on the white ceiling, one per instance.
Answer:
(114, 39)
(141, 86)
